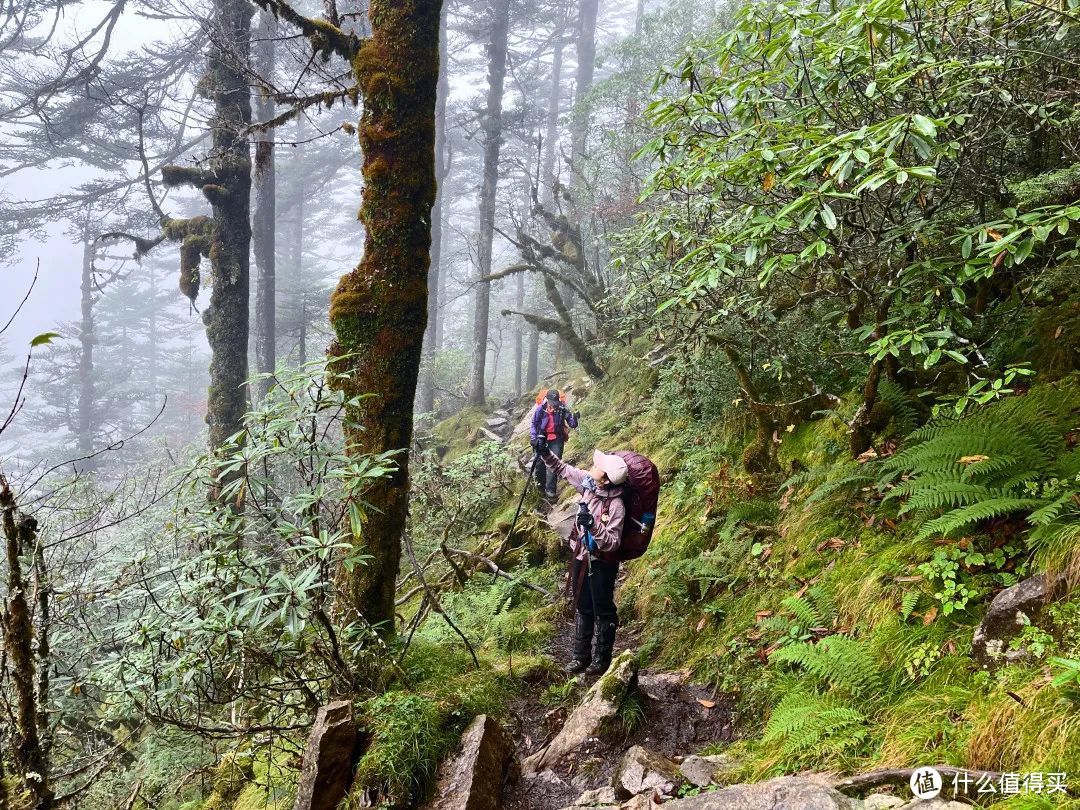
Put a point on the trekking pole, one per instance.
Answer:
(588, 563)
(517, 514)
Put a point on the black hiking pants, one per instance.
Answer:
(603, 578)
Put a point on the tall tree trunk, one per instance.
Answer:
(226, 238)
(86, 355)
(152, 336)
(265, 214)
(227, 317)
(29, 754)
(586, 61)
(500, 26)
(426, 399)
(298, 241)
(519, 336)
(551, 124)
(379, 310)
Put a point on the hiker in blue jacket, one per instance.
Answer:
(551, 421)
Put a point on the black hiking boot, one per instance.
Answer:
(583, 633)
(605, 644)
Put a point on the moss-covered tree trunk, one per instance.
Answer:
(225, 238)
(227, 316)
(379, 310)
(29, 751)
(492, 126)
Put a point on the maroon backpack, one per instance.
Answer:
(641, 492)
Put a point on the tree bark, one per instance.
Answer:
(586, 61)
(379, 310)
(500, 25)
(426, 399)
(298, 243)
(760, 457)
(519, 336)
(226, 238)
(227, 317)
(265, 213)
(28, 752)
(551, 125)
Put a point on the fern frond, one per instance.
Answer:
(803, 721)
(908, 604)
(806, 613)
(930, 494)
(841, 662)
(967, 516)
(844, 483)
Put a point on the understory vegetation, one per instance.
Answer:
(826, 278)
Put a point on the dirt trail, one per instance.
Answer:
(676, 719)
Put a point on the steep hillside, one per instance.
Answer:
(838, 607)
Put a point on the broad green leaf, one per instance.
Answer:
(828, 217)
(44, 338)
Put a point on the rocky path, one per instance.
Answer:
(656, 717)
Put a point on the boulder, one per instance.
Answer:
(592, 717)
(643, 801)
(663, 686)
(496, 424)
(473, 779)
(698, 771)
(724, 766)
(522, 428)
(327, 767)
(782, 793)
(645, 771)
(1007, 615)
(489, 436)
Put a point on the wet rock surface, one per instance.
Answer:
(1008, 614)
(474, 779)
(644, 771)
(328, 759)
(782, 793)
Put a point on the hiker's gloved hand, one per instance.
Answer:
(585, 520)
(540, 444)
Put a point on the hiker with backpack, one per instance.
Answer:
(551, 423)
(615, 517)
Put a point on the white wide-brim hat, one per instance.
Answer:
(613, 466)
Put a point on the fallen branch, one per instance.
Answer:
(401, 600)
(860, 783)
(433, 600)
(490, 563)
